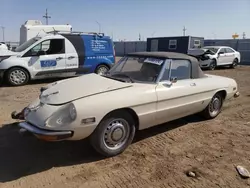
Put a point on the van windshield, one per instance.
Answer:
(27, 44)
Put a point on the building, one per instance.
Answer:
(179, 44)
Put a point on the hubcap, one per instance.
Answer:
(102, 70)
(214, 106)
(116, 134)
(17, 77)
(212, 66)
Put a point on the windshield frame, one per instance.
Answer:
(125, 58)
(27, 44)
(211, 48)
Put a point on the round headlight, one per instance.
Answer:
(72, 111)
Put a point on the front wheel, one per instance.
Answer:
(214, 107)
(212, 65)
(17, 76)
(114, 134)
(234, 64)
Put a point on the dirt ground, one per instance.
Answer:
(159, 156)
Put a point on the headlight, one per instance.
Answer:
(3, 58)
(64, 116)
(72, 111)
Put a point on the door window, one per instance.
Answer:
(180, 69)
(47, 47)
(229, 50)
(222, 50)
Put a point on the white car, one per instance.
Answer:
(221, 56)
(142, 90)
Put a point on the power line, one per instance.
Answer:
(46, 16)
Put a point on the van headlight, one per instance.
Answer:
(63, 116)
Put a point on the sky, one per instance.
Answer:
(126, 19)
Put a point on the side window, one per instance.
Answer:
(222, 50)
(172, 44)
(47, 47)
(229, 50)
(181, 69)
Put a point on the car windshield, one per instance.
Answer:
(136, 69)
(213, 49)
(27, 44)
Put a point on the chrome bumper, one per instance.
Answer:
(44, 134)
(237, 94)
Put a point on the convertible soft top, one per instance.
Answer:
(196, 71)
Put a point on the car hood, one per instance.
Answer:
(4, 52)
(72, 89)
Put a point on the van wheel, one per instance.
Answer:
(114, 134)
(17, 76)
(101, 69)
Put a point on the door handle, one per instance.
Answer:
(71, 57)
(59, 58)
(193, 84)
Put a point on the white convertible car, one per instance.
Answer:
(142, 90)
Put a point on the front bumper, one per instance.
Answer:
(237, 94)
(1, 74)
(44, 134)
(205, 63)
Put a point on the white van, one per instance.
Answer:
(57, 55)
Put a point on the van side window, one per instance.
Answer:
(47, 47)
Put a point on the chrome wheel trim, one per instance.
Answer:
(116, 134)
(18, 77)
(102, 70)
(215, 106)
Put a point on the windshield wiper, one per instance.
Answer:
(124, 75)
(106, 76)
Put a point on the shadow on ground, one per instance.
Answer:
(22, 156)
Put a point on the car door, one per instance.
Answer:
(47, 58)
(222, 58)
(230, 55)
(180, 99)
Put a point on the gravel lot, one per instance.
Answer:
(159, 156)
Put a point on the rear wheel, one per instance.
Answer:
(214, 107)
(114, 134)
(17, 76)
(101, 69)
(234, 64)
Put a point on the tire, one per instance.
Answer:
(120, 125)
(212, 65)
(101, 69)
(17, 76)
(214, 107)
(234, 64)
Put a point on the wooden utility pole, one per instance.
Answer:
(46, 16)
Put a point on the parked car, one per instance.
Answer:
(57, 55)
(219, 56)
(142, 90)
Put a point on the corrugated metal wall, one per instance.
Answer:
(241, 45)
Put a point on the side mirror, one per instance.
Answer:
(167, 83)
(173, 79)
(221, 53)
(41, 53)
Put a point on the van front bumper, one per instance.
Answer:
(44, 134)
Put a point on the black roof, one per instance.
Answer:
(195, 68)
(167, 55)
